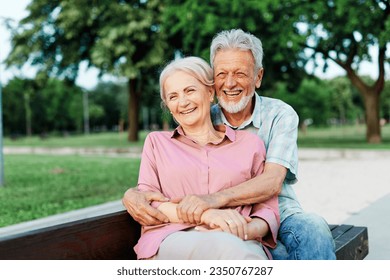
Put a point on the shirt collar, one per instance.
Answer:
(229, 132)
(254, 119)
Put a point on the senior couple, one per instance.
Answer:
(220, 185)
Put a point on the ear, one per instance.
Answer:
(259, 77)
(211, 92)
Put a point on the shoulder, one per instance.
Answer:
(158, 136)
(276, 104)
(277, 108)
(250, 139)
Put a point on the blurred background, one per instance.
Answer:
(79, 93)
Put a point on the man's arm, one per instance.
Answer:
(138, 206)
(255, 190)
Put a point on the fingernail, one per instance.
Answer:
(196, 228)
(246, 236)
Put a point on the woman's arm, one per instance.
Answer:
(169, 210)
(227, 220)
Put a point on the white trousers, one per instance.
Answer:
(194, 245)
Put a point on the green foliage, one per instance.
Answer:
(41, 106)
(346, 104)
(107, 105)
(345, 28)
(39, 186)
(190, 26)
(312, 97)
(117, 37)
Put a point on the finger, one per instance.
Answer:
(190, 213)
(237, 224)
(176, 199)
(203, 229)
(156, 214)
(147, 220)
(197, 215)
(186, 208)
(156, 196)
(148, 215)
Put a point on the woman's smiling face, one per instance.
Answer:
(187, 99)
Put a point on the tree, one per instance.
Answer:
(310, 98)
(41, 106)
(191, 24)
(343, 31)
(342, 100)
(120, 37)
(13, 107)
(106, 104)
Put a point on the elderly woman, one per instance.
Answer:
(198, 158)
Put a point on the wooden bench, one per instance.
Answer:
(112, 237)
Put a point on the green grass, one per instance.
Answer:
(39, 186)
(104, 140)
(341, 137)
(352, 137)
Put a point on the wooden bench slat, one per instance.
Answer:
(340, 230)
(109, 236)
(114, 235)
(352, 244)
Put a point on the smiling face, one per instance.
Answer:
(188, 99)
(235, 79)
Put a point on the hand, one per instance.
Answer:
(257, 228)
(191, 207)
(228, 220)
(138, 206)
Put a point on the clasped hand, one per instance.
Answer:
(227, 220)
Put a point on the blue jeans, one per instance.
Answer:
(304, 236)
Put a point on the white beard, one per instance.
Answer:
(235, 107)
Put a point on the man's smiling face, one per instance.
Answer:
(235, 79)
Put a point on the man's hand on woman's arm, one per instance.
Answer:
(138, 206)
(255, 190)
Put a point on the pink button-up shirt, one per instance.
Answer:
(176, 166)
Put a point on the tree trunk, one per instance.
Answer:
(27, 108)
(373, 129)
(133, 110)
(371, 98)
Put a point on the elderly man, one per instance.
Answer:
(236, 58)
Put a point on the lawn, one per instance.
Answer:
(39, 186)
(352, 137)
(341, 137)
(104, 140)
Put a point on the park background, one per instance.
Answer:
(72, 135)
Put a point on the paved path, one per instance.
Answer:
(350, 187)
(343, 186)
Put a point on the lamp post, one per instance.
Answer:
(86, 112)
(1, 140)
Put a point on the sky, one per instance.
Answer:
(15, 10)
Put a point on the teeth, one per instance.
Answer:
(188, 111)
(232, 92)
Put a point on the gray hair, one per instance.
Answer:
(195, 66)
(237, 39)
